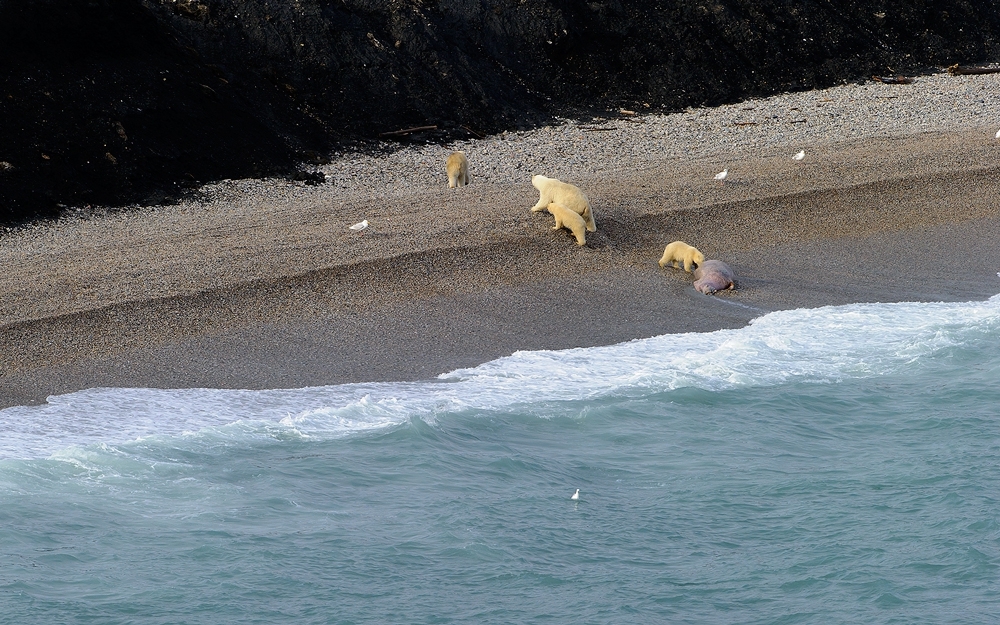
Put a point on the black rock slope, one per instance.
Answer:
(123, 101)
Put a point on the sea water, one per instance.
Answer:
(835, 465)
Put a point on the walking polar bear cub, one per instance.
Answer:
(678, 253)
(458, 170)
(565, 218)
(554, 191)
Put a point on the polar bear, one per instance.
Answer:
(565, 218)
(564, 194)
(458, 170)
(680, 252)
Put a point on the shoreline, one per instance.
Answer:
(261, 285)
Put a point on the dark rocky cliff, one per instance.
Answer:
(123, 101)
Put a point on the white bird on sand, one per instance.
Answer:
(361, 225)
(576, 495)
(801, 155)
(722, 174)
(998, 134)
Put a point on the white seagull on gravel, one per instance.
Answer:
(576, 495)
(361, 225)
(998, 134)
(801, 155)
(722, 174)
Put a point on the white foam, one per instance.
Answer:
(823, 345)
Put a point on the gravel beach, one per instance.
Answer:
(262, 284)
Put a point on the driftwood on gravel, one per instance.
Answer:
(959, 70)
(893, 80)
(406, 131)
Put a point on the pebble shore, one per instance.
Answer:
(879, 159)
(779, 126)
(241, 230)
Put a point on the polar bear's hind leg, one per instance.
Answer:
(588, 216)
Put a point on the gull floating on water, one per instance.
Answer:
(576, 495)
(361, 225)
(801, 155)
(722, 174)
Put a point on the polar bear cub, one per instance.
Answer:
(680, 252)
(458, 170)
(565, 218)
(564, 194)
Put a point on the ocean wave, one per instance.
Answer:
(823, 345)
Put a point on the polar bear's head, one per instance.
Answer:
(538, 181)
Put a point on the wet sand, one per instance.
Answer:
(264, 285)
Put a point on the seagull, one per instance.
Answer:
(576, 495)
(722, 174)
(801, 155)
(361, 225)
(998, 134)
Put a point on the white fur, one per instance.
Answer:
(678, 253)
(458, 170)
(555, 191)
(565, 218)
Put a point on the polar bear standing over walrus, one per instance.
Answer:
(554, 191)
(565, 218)
(458, 170)
(679, 252)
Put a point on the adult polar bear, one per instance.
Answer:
(554, 191)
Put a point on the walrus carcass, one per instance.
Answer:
(712, 276)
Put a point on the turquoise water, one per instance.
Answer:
(837, 465)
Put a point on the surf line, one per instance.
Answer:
(723, 300)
